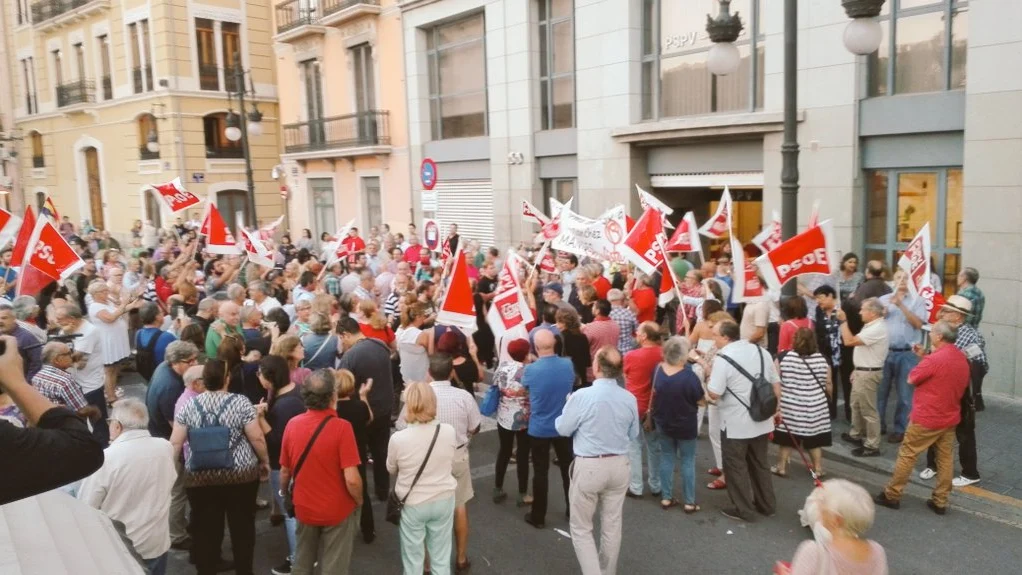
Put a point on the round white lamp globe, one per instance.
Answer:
(723, 58)
(233, 133)
(153, 146)
(255, 129)
(863, 36)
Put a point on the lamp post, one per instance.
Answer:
(240, 130)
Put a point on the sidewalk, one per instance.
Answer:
(998, 439)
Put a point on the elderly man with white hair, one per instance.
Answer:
(869, 356)
(57, 385)
(228, 323)
(133, 485)
(259, 292)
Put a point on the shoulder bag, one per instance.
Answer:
(315, 355)
(395, 505)
(813, 373)
(288, 495)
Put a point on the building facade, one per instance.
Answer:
(342, 102)
(94, 82)
(532, 99)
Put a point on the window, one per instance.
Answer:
(147, 127)
(230, 40)
(675, 79)
(28, 75)
(556, 64)
(147, 60)
(79, 51)
(217, 144)
(923, 48)
(373, 201)
(104, 61)
(22, 12)
(457, 78)
(142, 72)
(38, 158)
(323, 215)
(58, 73)
(206, 47)
(233, 205)
(561, 190)
(314, 102)
(136, 57)
(900, 202)
(365, 96)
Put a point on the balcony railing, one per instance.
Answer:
(31, 103)
(136, 77)
(209, 78)
(145, 154)
(108, 88)
(46, 9)
(77, 92)
(230, 79)
(294, 13)
(38, 162)
(234, 152)
(371, 128)
(331, 6)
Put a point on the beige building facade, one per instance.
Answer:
(342, 107)
(110, 97)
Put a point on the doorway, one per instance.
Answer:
(95, 188)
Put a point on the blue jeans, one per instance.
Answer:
(673, 451)
(290, 523)
(157, 566)
(649, 438)
(896, 368)
(431, 523)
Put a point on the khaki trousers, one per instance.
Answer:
(603, 482)
(178, 507)
(330, 546)
(865, 418)
(917, 440)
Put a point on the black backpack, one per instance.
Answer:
(145, 357)
(762, 400)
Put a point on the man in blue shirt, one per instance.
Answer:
(151, 317)
(548, 313)
(604, 420)
(7, 273)
(549, 380)
(906, 314)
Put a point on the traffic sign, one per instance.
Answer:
(428, 174)
(431, 234)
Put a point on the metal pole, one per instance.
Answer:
(239, 84)
(789, 148)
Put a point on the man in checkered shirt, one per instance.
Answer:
(625, 320)
(956, 313)
(56, 384)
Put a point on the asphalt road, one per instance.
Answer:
(668, 542)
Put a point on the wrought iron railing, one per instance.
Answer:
(108, 88)
(46, 9)
(331, 6)
(294, 13)
(77, 92)
(38, 162)
(370, 128)
(145, 154)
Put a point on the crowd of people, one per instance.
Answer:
(296, 374)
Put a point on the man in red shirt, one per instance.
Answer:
(939, 381)
(354, 245)
(327, 488)
(639, 366)
(601, 284)
(412, 253)
(602, 331)
(643, 298)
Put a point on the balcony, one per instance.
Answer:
(136, 77)
(364, 133)
(77, 92)
(337, 12)
(38, 162)
(231, 78)
(108, 88)
(297, 19)
(145, 154)
(52, 14)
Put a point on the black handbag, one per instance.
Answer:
(395, 505)
(288, 495)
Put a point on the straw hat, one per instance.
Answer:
(958, 304)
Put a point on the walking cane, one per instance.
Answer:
(801, 453)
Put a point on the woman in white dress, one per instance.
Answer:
(112, 324)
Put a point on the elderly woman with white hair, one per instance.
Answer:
(677, 396)
(112, 324)
(845, 511)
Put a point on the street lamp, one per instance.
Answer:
(723, 57)
(863, 34)
(238, 130)
(152, 144)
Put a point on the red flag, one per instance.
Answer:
(257, 252)
(10, 224)
(545, 260)
(176, 196)
(629, 223)
(938, 302)
(531, 213)
(204, 228)
(509, 312)
(24, 235)
(720, 223)
(48, 258)
(643, 246)
(685, 238)
(458, 306)
(770, 237)
(266, 232)
(668, 284)
(648, 200)
(220, 240)
(916, 263)
(747, 286)
(806, 253)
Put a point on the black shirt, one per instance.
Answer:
(203, 323)
(58, 451)
(467, 374)
(357, 414)
(284, 407)
(370, 358)
(576, 348)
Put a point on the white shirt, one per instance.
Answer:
(405, 454)
(455, 407)
(350, 282)
(269, 304)
(734, 417)
(90, 377)
(414, 358)
(133, 487)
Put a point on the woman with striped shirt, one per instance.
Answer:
(805, 387)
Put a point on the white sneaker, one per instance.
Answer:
(927, 474)
(962, 481)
